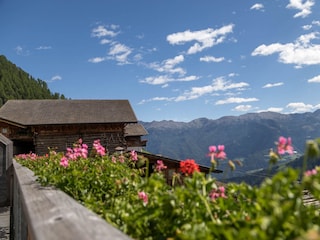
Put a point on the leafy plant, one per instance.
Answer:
(195, 206)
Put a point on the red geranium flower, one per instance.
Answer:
(189, 166)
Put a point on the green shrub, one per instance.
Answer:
(146, 207)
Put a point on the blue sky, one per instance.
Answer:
(173, 60)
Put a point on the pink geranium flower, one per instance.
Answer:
(160, 166)
(221, 153)
(79, 150)
(217, 193)
(121, 158)
(99, 149)
(310, 172)
(64, 161)
(143, 196)
(133, 155)
(285, 146)
(217, 152)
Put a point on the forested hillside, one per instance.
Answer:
(17, 84)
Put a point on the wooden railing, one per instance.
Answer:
(43, 213)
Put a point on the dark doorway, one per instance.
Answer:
(23, 146)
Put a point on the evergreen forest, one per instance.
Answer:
(17, 84)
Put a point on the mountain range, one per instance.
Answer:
(247, 138)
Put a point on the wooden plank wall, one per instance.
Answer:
(110, 140)
(45, 213)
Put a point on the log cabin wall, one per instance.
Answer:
(15, 132)
(60, 137)
(21, 136)
(135, 143)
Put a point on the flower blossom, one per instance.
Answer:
(285, 145)
(143, 196)
(311, 172)
(99, 149)
(160, 166)
(121, 158)
(79, 150)
(133, 155)
(113, 159)
(64, 161)
(25, 156)
(189, 166)
(217, 152)
(217, 193)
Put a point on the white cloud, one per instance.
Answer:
(204, 38)
(236, 100)
(118, 49)
(120, 53)
(105, 41)
(174, 61)
(300, 107)
(274, 109)
(257, 6)
(211, 59)
(169, 68)
(307, 27)
(301, 52)
(96, 59)
(317, 23)
(268, 50)
(306, 39)
(44, 48)
(56, 78)
(218, 84)
(270, 85)
(304, 7)
(102, 31)
(315, 79)
(158, 80)
(155, 99)
(21, 51)
(233, 74)
(242, 108)
(138, 57)
(169, 65)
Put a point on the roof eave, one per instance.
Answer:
(76, 123)
(12, 123)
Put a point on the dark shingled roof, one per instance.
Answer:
(135, 130)
(40, 112)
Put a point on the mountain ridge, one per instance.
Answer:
(247, 137)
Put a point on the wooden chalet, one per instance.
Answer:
(132, 135)
(36, 125)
